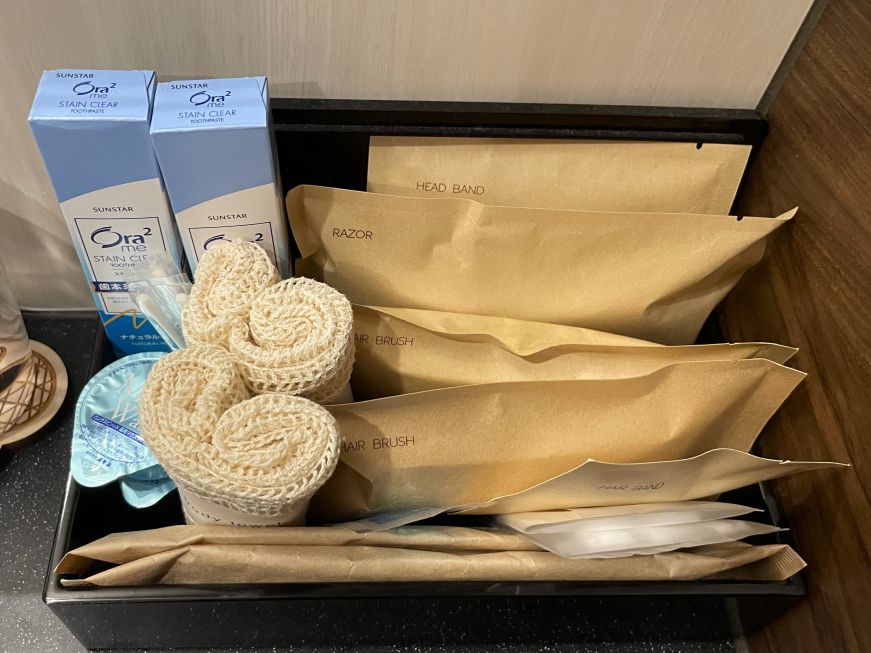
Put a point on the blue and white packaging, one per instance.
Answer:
(106, 443)
(144, 494)
(92, 129)
(213, 139)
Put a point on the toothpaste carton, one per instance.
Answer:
(92, 129)
(213, 139)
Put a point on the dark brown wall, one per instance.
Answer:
(814, 291)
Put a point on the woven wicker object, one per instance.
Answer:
(34, 397)
(229, 277)
(260, 457)
(299, 340)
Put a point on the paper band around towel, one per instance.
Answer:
(228, 278)
(262, 457)
(202, 511)
(299, 340)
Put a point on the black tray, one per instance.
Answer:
(326, 142)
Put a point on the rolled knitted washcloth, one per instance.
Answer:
(299, 340)
(240, 461)
(229, 276)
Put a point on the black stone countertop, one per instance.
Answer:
(32, 484)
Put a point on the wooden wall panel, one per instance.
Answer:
(645, 52)
(814, 291)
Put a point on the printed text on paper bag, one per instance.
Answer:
(455, 189)
(385, 341)
(379, 443)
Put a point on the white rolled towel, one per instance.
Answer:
(237, 460)
(299, 339)
(229, 277)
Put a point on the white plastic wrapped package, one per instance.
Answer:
(647, 540)
(607, 518)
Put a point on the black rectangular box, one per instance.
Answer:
(326, 142)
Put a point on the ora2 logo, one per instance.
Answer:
(106, 238)
(86, 88)
(258, 237)
(200, 98)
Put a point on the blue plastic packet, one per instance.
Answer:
(106, 440)
(145, 493)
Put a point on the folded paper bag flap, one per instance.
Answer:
(782, 564)
(148, 570)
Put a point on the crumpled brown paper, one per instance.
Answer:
(561, 174)
(403, 350)
(655, 276)
(470, 444)
(228, 555)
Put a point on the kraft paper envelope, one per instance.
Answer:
(467, 445)
(654, 276)
(596, 483)
(589, 175)
(402, 350)
(221, 554)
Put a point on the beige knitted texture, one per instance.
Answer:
(257, 456)
(228, 278)
(298, 340)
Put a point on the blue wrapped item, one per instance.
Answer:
(107, 444)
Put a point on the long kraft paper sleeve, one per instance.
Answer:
(561, 174)
(401, 350)
(470, 444)
(210, 564)
(205, 564)
(654, 276)
(119, 548)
